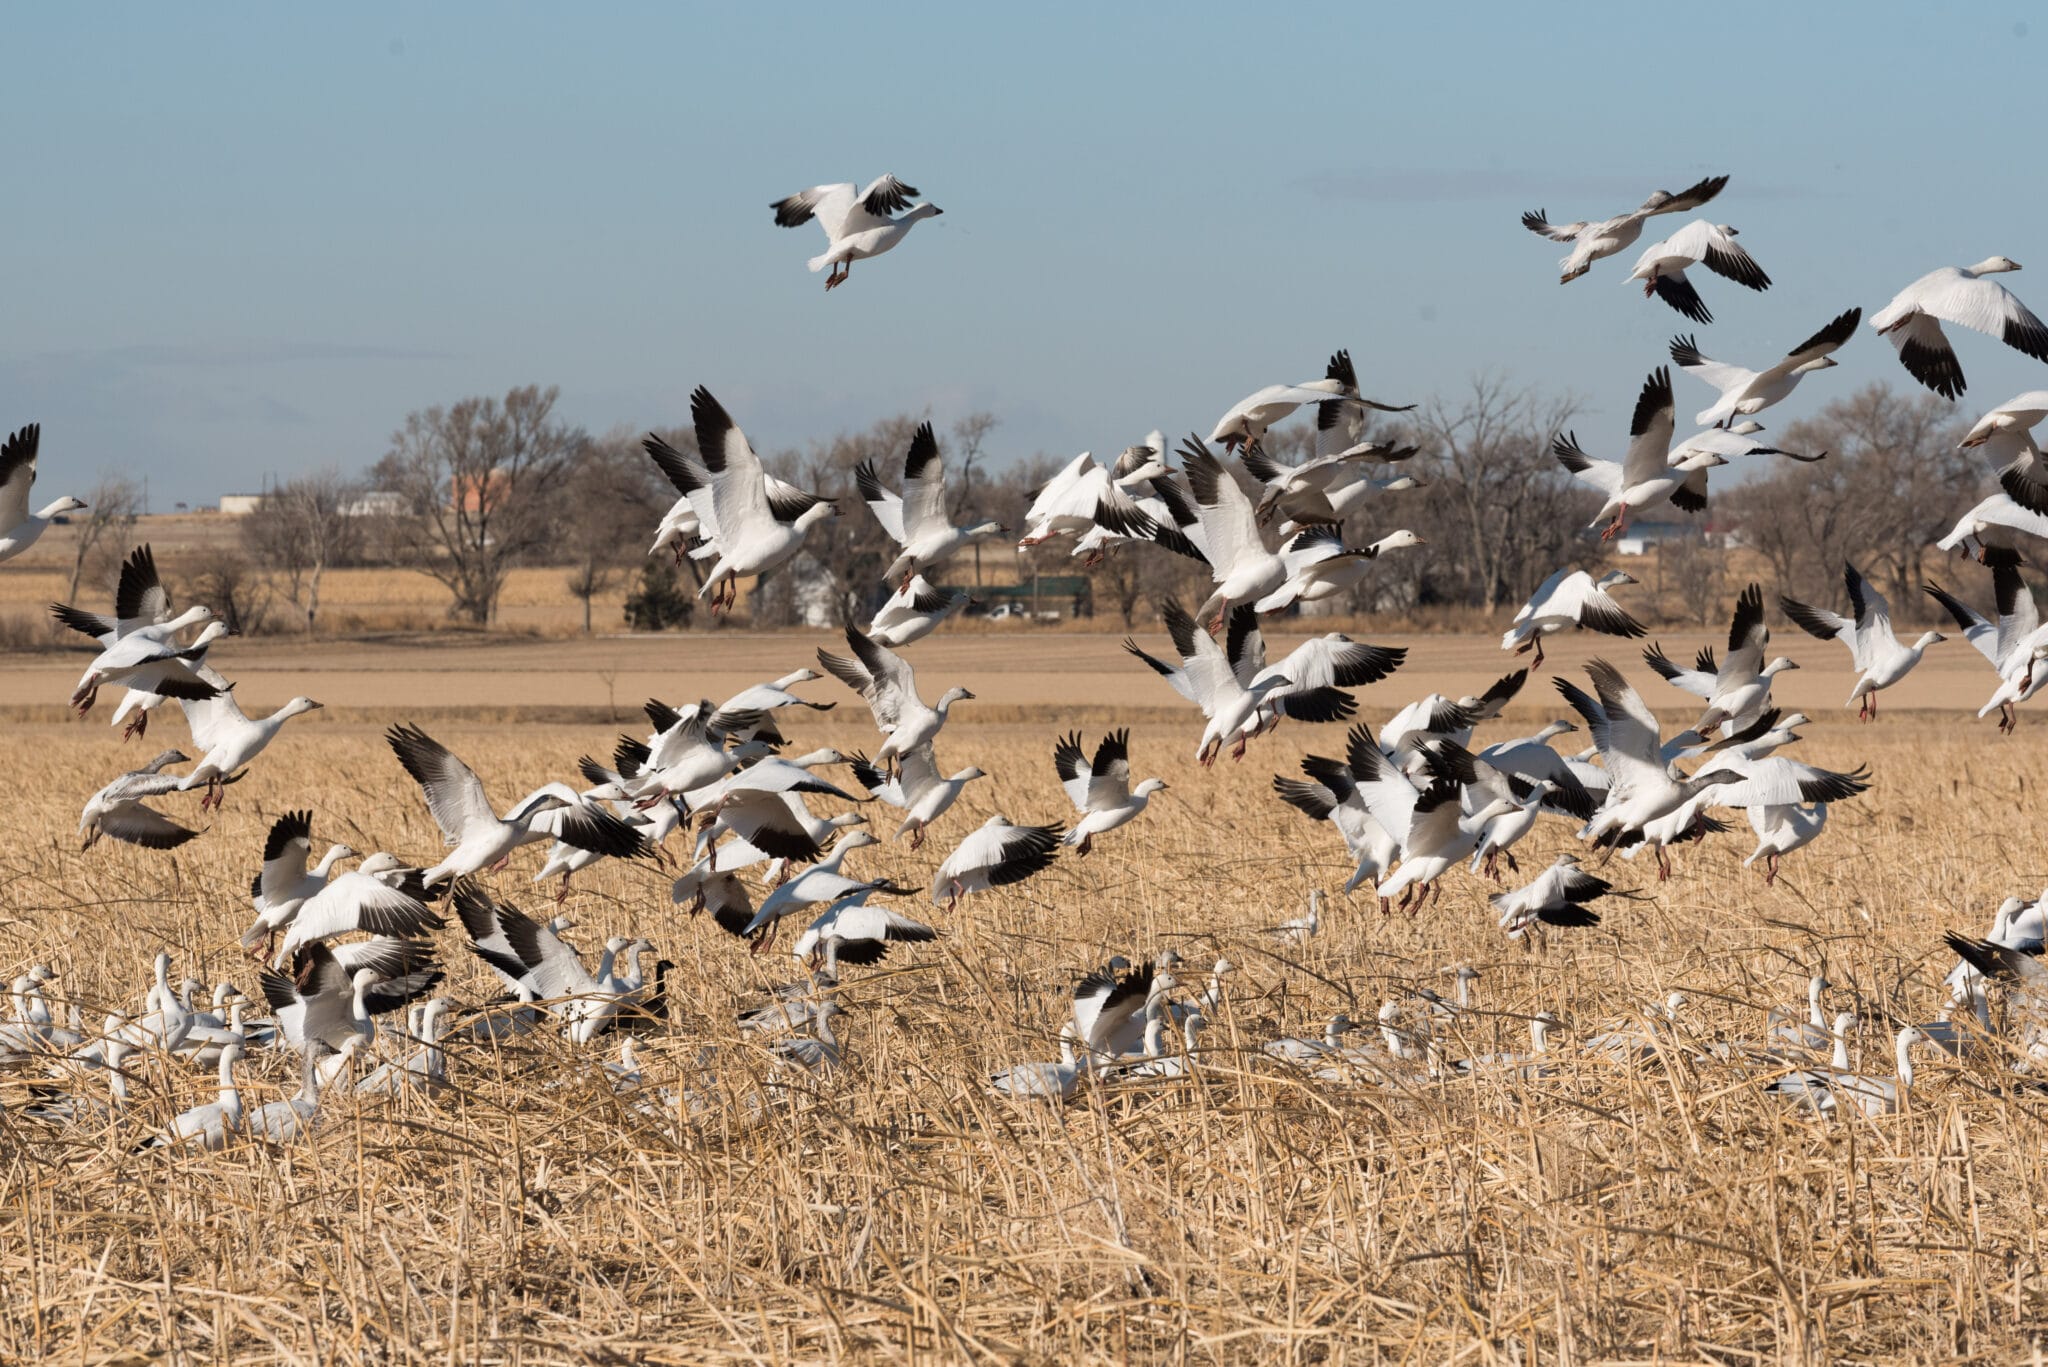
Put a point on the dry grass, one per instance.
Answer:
(898, 1212)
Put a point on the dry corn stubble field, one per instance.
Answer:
(896, 1211)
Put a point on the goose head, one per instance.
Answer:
(920, 210)
(1819, 363)
(986, 529)
(1927, 639)
(801, 676)
(1556, 728)
(298, 706)
(1149, 787)
(813, 515)
(845, 819)
(1994, 265)
(968, 775)
(817, 759)
(1140, 463)
(379, 864)
(951, 696)
(1395, 541)
(1778, 666)
(68, 504)
(190, 617)
(214, 631)
(854, 840)
(1615, 577)
(1500, 806)
(167, 757)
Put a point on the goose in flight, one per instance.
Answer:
(1596, 241)
(1781, 829)
(1430, 824)
(917, 519)
(1207, 676)
(914, 612)
(1330, 794)
(1243, 566)
(819, 885)
(687, 751)
(533, 961)
(851, 931)
(1731, 443)
(1745, 393)
(232, 739)
(1570, 599)
(1959, 295)
(382, 897)
(1312, 677)
(141, 606)
(1324, 489)
(1246, 422)
(1083, 498)
(1742, 685)
(283, 883)
(1436, 716)
(152, 664)
(117, 809)
(1661, 267)
(858, 223)
(1100, 789)
(1997, 530)
(333, 993)
(918, 790)
(478, 836)
(1881, 660)
(1644, 476)
(20, 528)
(1108, 1008)
(1319, 565)
(1558, 896)
(2016, 645)
(993, 855)
(2006, 434)
(889, 684)
(760, 526)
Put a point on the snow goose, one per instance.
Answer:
(362, 900)
(1881, 660)
(770, 825)
(1100, 789)
(425, 1066)
(2014, 963)
(713, 884)
(851, 931)
(1959, 295)
(1207, 675)
(141, 606)
(1305, 927)
(1570, 599)
(1324, 490)
(687, 751)
(1244, 567)
(1486, 787)
(1662, 265)
(283, 883)
(1108, 1009)
(1555, 897)
(1997, 529)
(1643, 477)
(535, 963)
(1083, 499)
(1731, 443)
(1787, 1026)
(1530, 757)
(2006, 435)
(151, 664)
(1301, 1051)
(332, 993)
(858, 222)
(212, 1125)
(117, 809)
(2016, 646)
(479, 837)
(20, 528)
(819, 885)
(993, 855)
(761, 525)
(1158, 1062)
(231, 738)
(684, 527)
(1742, 685)
(889, 684)
(1781, 829)
(1331, 795)
(1747, 392)
(1810, 1087)
(914, 612)
(1643, 786)
(1246, 422)
(918, 790)
(1834, 1092)
(1309, 683)
(1429, 824)
(917, 519)
(821, 1051)
(751, 787)
(1044, 1081)
(1320, 566)
(1436, 717)
(1595, 241)
(772, 696)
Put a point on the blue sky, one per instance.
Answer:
(246, 240)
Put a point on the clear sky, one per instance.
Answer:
(246, 239)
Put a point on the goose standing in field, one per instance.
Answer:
(141, 607)
(1644, 476)
(918, 790)
(2006, 435)
(1959, 295)
(1880, 659)
(889, 684)
(993, 855)
(1786, 1026)
(1100, 789)
(917, 519)
(1748, 392)
(1555, 897)
(761, 524)
(858, 222)
(2016, 646)
(819, 885)
(1302, 1052)
(1742, 685)
(1834, 1092)
(1207, 676)
(1332, 795)
(1596, 241)
(283, 883)
(853, 932)
(1662, 265)
(1811, 1088)
(914, 612)
(117, 809)
(362, 900)
(478, 836)
(1044, 1081)
(424, 1067)
(1160, 1063)
(149, 663)
(1320, 566)
(231, 739)
(1570, 600)
(212, 1125)
(1305, 927)
(20, 528)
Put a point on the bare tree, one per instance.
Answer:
(969, 435)
(100, 538)
(303, 528)
(222, 578)
(485, 480)
(611, 491)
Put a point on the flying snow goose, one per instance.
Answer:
(1108, 1008)
(333, 992)
(769, 697)
(1244, 567)
(19, 528)
(1595, 241)
(1570, 599)
(1486, 787)
(760, 526)
(478, 836)
(1781, 829)
(1627, 735)
(2016, 646)
(993, 855)
(819, 885)
(1246, 422)
(1778, 782)
(1100, 789)
(1331, 795)
(1207, 677)
(917, 519)
(1430, 824)
(685, 525)
(1644, 476)
(141, 606)
(1748, 392)
(1881, 660)
(534, 962)
(1312, 677)
(1319, 565)
(687, 751)
(2006, 435)
(117, 809)
(1959, 295)
(283, 883)
(1742, 685)
(858, 222)
(360, 900)
(914, 612)
(713, 884)
(1324, 489)
(1731, 443)
(770, 825)
(1083, 497)
(889, 684)
(232, 739)
(151, 664)
(1428, 718)
(854, 932)
(1662, 265)
(1997, 529)
(212, 1125)
(1555, 897)
(918, 790)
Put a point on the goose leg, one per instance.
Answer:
(1771, 870)
(562, 892)
(138, 726)
(1663, 864)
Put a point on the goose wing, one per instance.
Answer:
(885, 503)
(1229, 522)
(18, 474)
(739, 487)
(455, 795)
(924, 488)
(1988, 640)
(1070, 761)
(1649, 431)
(1109, 775)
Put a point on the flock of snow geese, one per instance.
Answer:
(341, 951)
